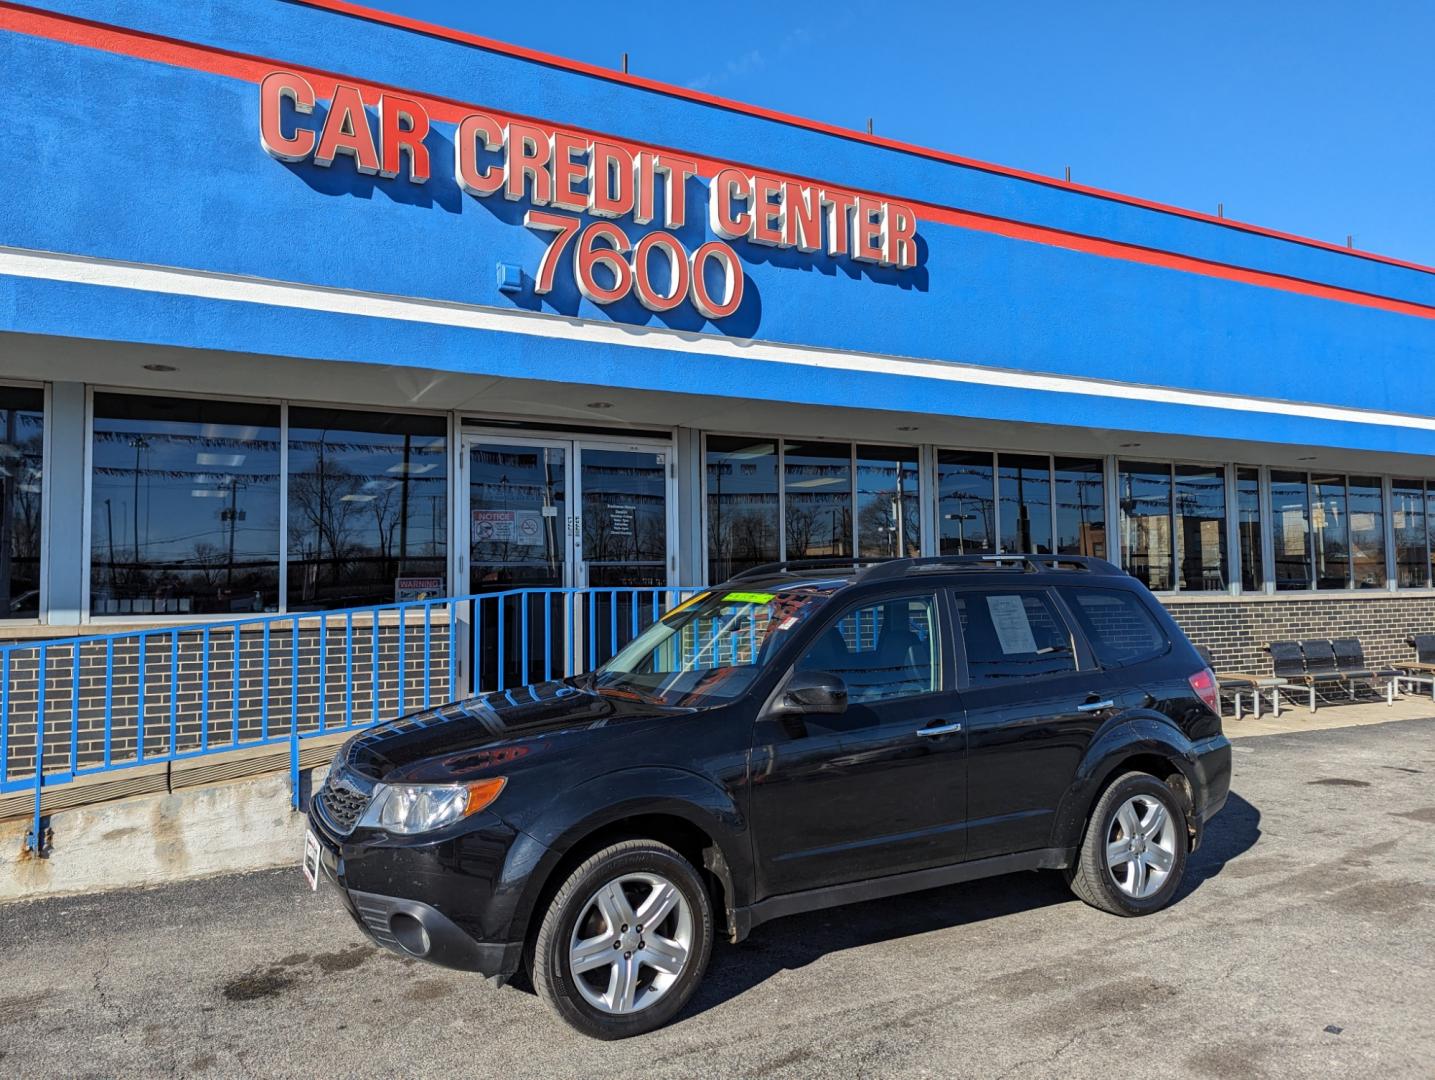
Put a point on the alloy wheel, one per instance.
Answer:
(631, 943)
(1141, 846)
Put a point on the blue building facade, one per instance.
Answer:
(307, 306)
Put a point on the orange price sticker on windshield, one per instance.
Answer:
(689, 602)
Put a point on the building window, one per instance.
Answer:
(742, 504)
(1248, 520)
(817, 489)
(1367, 532)
(769, 499)
(1408, 516)
(184, 506)
(22, 434)
(1024, 503)
(966, 508)
(1080, 507)
(368, 507)
(888, 506)
(1145, 494)
(1290, 514)
(1330, 527)
(1200, 506)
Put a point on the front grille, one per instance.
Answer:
(342, 802)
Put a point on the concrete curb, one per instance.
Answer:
(153, 839)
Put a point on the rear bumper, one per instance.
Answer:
(1212, 760)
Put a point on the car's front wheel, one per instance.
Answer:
(625, 940)
(1134, 852)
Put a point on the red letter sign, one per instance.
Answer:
(277, 86)
(346, 131)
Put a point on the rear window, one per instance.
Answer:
(1118, 625)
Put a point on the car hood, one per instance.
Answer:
(482, 735)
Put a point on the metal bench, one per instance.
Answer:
(1421, 670)
(1290, 661)
(1350, 660)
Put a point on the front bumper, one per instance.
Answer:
(415, 929)
(454, 905)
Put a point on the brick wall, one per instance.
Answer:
(1237, 631)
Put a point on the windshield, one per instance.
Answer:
(711, 648)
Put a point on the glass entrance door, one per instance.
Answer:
(518, 538)
(625, 516)
(562, 515)
(623, 551)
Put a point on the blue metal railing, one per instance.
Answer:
(77, 707)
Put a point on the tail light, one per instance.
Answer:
(1203, 683)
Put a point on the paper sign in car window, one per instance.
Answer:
(1011, 624)
(750, 597)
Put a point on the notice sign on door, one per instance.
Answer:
(621, 519)
(506, 526)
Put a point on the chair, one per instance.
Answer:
(1291, 662)
(1350, 659)
(1242, 683)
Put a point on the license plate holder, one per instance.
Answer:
(311, 859)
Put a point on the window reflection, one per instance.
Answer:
(184, 506)
(1408, 518)
(1024, 503)
(1329, 529)
(22, 429)
(1290, 524)
(368, 508)
(888, 508)
(1248, 509)
(817, 484)
(1200, 492)
(1080, 507)
(966, 508)
(742, 504)
(1146, 549)
(1367, 533)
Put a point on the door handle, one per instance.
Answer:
(943, 729)
(1096, 706)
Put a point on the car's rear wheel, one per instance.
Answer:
(1134, 852)
(624, 941)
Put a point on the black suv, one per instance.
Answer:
(802, 736)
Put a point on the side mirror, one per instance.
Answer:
(812, 693)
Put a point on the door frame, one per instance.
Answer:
(670, 497)
(574, 567)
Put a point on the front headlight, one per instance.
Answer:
(417, 808)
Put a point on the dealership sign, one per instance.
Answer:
(562, 174)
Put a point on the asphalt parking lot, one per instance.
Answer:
(1304, 945)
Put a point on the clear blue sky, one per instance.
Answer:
(1313, 117)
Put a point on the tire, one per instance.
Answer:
(628, 995)
(1103, 877)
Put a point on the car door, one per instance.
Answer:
(879, 788)
(1033, 699)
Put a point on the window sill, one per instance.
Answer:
(1299, 596)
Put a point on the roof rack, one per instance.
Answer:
(1021, 563)
(832, 563)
